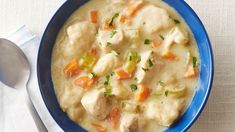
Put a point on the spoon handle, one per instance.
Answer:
(39, 123)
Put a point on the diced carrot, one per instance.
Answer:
(169, 55)
(84, 82)
(133, 7)
(98, 127)
(114, 116)
(122, 19)
(142, 93)
(156, 43)
(191, 72)
(93, 51)
(71, 69)
(107, 26)
(94, 16)
(121, 74)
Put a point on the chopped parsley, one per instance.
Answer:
(166, 93)
(107, 92)
(108, 44)
(93, 74)
(150, 62)
(162, 83)
(161, 37)
(106, 83)
(176, 21)
(145, 69)
(113, 18)
(130, 58)
(138, 58)
(112, 73)
(147, 41)
(194, 61)
(112, 33)
(133, 87)
(136, 79)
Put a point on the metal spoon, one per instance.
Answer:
(15, 73)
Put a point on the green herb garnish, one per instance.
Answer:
(130, 58)
(138, 58)
(107, 92)
(136, 79)
(157, 95)
(113, 18)
(161, 37)
(108, 44)
(194, 61)
(93, 74)
(113, 33)
(162, 83)
(147, 41)
(176, 21)
(112, 73)
(106, 83)
(166, 93)
(150, 62)
(145, 69)
(133, 87)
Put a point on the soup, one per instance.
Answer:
(125, 65)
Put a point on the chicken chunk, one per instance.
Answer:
(129, 123)
(80, 36)
(152, 19)
(165, 112)
(119, 90)
(96, 104)
(106, 64)
(70, 97)
(176, 35)
(76, 113)
(147, 67)
(108, 40)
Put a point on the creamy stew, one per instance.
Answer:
(125, 65)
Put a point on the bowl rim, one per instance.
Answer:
(211, 61)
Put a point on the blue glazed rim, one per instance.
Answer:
(206, 68)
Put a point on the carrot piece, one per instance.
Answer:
(191, 72)
(156, 43)
(122, 19)
(98, 127)
(85, 82)
(169, 55)
(133, 7)
(121, 74)
(107, 26)
(114, 116)
(94, 16)
(71, 69)
(142, 93)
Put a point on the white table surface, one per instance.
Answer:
(219, 20)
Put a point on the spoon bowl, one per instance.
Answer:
(14, 65)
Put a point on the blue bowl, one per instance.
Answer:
(44, 66)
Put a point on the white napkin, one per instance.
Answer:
(14, 114)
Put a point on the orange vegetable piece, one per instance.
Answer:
(71, 69)
(98, 127)
(122, 19)
(121, 74)
(133, 7)
(107, 26)
(156, 43)
(114, 116)
(191, 72)
(169, 55)
(85, 82)
(142, 93)
(94, 16)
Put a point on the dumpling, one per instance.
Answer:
(81, 35)
(152, 19)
